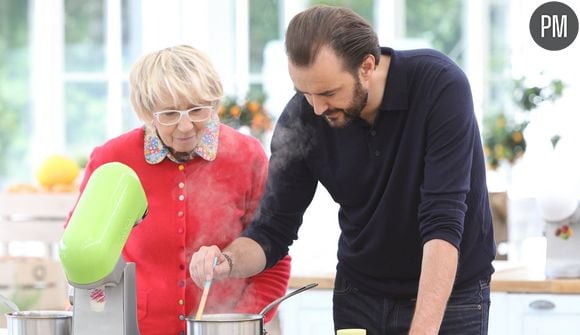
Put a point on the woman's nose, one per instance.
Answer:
(185, 124)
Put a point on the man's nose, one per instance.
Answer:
(319, 104)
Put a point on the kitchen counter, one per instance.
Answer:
(509, 277)
(527, 279)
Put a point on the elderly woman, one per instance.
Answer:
(203, 181)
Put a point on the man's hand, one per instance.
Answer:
(243, 258)
(201, 265)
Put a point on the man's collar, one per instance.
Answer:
(396, 96)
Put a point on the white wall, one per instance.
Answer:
(315, 250)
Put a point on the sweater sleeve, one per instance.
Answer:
(447, 174)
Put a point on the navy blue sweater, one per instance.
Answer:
(416, 174)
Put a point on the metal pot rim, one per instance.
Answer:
(226, 317)
(39, 315)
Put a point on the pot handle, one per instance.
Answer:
(279, 300)
(9, 303)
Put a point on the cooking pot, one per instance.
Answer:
(39, 323)
(236, 323)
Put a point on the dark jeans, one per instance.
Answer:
(466, 313)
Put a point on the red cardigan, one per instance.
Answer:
(193, 204)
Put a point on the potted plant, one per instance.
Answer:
(250, 116)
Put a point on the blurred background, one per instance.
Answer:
(63, 90)
(64, 63)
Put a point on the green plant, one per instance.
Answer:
(503, 136)
(530, 97)
(250, 113)
(503, 139)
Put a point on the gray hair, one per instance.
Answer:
(179, 72)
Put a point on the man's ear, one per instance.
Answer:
(367, 66)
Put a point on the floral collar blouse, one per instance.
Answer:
(156, 151)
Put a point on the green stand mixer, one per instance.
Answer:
(104, 298)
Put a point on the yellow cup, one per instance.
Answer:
(351, 331)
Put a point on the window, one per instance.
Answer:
(362, 7)
(264, 26)
(499, 96)
(100, 46)
(15, 118)
(76, 56)
(438, 23)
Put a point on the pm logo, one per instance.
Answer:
(554, 26)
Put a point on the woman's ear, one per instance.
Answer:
(150, 124)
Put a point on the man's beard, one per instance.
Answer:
(359, 101)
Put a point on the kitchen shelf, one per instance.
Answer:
(34, 216)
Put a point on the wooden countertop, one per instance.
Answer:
(509, 277)
(526, 279)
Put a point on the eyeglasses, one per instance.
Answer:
(172, 116)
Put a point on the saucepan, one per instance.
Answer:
(236, 323)
(39, 323)
(36, 322)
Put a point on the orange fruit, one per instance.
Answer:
(21, 188)
(57, 169)
(64, 188)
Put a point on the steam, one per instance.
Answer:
(292, 139)
(228, 296)
(221, 199)
(224, 214)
